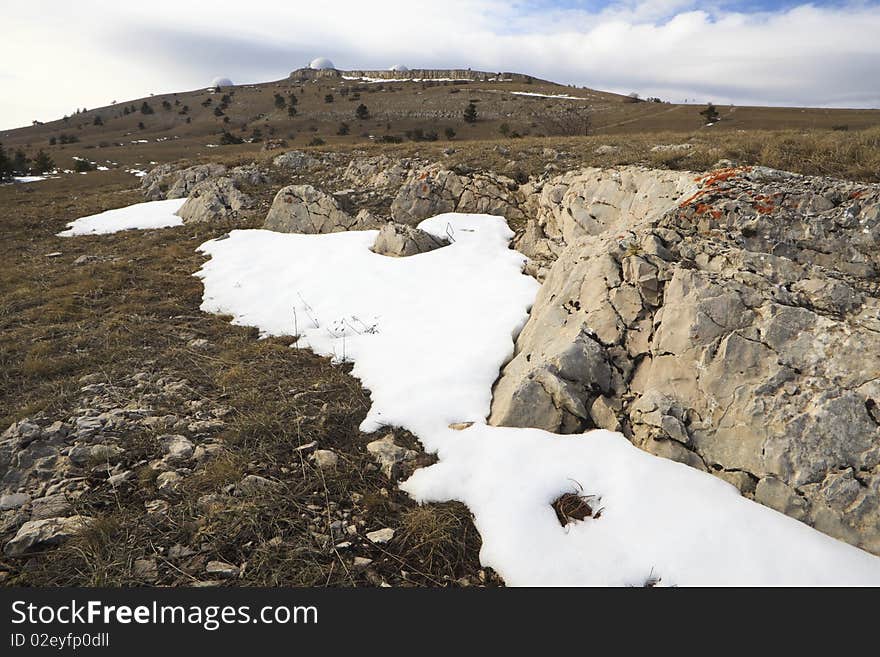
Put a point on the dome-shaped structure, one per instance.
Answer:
(321, 64)
(220, 83)
(398, 67)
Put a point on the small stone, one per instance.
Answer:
(222, 569)
(253, 485)
(145, 569)
(168, 483)
(380, 536)
(361, 562)
(177, 448)
(120, 478)
(389, 455)
(156, 507)
(325, 458)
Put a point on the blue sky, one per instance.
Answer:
(775, 52)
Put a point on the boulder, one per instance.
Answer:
(294, 160)
(212, 199)
(304, 209)
(400, 240)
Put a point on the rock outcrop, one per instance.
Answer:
(165, 181)
(304, 209)
(733, 329)
(433, 190)
(214, 198)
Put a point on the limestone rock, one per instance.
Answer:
(41, 534)
(389, 455)
(400, 240)
(166, 182)
(216, 198)
(304, 209)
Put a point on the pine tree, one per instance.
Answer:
(279, 101)
(291, 110)
(5, 165)
(470, 113)
(362, 113)
(42, 163)
(20, 162)
(711, 114)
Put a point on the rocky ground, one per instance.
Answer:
(724, 319)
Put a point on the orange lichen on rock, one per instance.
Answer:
(712, 179)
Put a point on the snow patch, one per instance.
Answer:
(427, 335)
(154, 214)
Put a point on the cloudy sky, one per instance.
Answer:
(58, 55)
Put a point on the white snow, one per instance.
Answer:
(427, 335)
(537, 95)
(154, 214)
(28, 179)
(378, 80)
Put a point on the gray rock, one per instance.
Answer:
(178, 449)
(51, 506)
(213, 199)
(222, 569)
(381, 536)
(723, 321)
(13, 501)
(40, 534)
(294, 160)
(304, 209)
(255, 485)
(325, 458)
(390, 456)
(400, 240)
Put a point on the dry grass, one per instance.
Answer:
(135, 309)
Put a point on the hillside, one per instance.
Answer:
(190, 124)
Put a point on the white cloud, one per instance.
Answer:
(59, 56)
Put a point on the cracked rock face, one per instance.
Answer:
(433, 190)
(730, 322)
(215, 198)
(166, 182)
(304, 209)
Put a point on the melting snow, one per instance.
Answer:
(536, 95)
(427, 335)
(155, 214)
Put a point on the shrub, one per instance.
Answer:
(343, 129)
(362, 113)
(316, 141)
(84, 165)
(98, 120)
(280, 103)
(146, 109)
(166, 105)
(390, 139)
(52, 141)
(711, 114)
(450, 133)
(470, 113)
(218, 111)
(291, 110)
(328, 98)
(228, 138)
